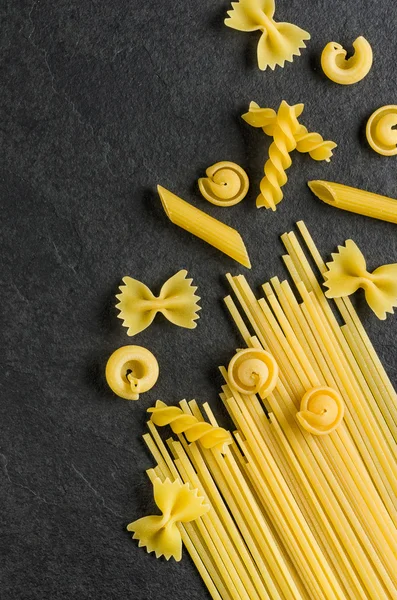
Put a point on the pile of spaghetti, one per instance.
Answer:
(295, 515)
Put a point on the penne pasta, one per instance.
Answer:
(355, 200)
(214, 232)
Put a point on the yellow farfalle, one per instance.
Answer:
(348, 272)
(178, 504)
(177, 302)
(194, 430)
(278, 43)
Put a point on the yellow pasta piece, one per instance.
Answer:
(355, 200)
(321, 410)
(381, 130)
(314, 144)
(177, 302)
(178, 504)
(253, 371)
(348, 272)
(278, 43)
(279, 161)
(130, 371)
(288, 135)
(352, 70)
(226, 184)
(214, 232)
(208, 436)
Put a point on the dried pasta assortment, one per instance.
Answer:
(299, 501)
(226, 184)
(288, 134)
(177, 302)
(381, 130)
(214, 232)
(348, 272)
(303, 501)
(355, 200)
(279, 42)
(352, 70)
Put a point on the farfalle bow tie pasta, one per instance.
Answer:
(178, 504)
(177, 301)
(348, 272)
(278, 43)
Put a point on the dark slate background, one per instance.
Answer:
(100, 101)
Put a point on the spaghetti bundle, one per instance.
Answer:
(294, 514)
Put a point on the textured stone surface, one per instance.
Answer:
(100, 102)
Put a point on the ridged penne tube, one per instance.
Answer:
(352, 70)
(355, 200)
(214, 232)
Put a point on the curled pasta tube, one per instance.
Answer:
(253, 371)
(226, 184)
(352, 70)
(321, 410)
(130, 371)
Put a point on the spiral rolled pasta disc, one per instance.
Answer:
(253, 371)
(130, 371)
(226, 184)
(321, 410)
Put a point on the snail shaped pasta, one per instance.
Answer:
(321, 411)
(253, 371)
(381, 130)
(130, 371)
(288, 135)
(178, 503)
(177, 302)
(352, 70)
(194, 430)
(278, 43)
(348, 272)
(226, 184)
